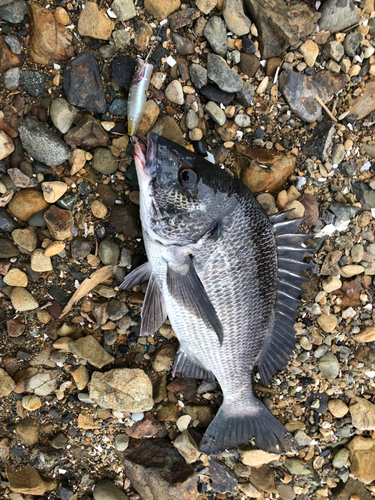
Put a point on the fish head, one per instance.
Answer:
(182, 195)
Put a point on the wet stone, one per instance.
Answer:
(59, 222)
(88, 132)
(352, 42)
(33, 82)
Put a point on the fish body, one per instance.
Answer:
(138, 96)
(213, 270)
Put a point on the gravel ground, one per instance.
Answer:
(283, 96)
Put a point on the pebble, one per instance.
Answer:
(61, 16)
(235, 18)
(109, 252)
(53, 190)
(331, 283)
(183, 422)
(124, 9)
(219, 72)
(254, 457)
(121, 442)
(40, 262)
(327, 323)
(143, 34)
(216, 113)
(98, 209)
(31, 402)
(22, 300)
(6, 145)
(352, 42)
(174, 93)
(160, 9)
(297, 207)
(42, 144)
(242, 120)
(198, 75)
(196, 134)
(337, 20)
(187, 447)
(338, 408)
(54, 248)
(341, 458)
(62, 114)
(7, 384)
(33, 82)
(119, 107)
(16, 277)
(329, 366)
(94, 22)
(216, 35)
(12, 78)
(206, 6)
(351, 270)
(59, 222)
(163, 358)
(104, 161)
(184, 46)
(26, 203)
(14, 12)
(338, 154)
(121, 38)
(191, 119)
(366, 335)
(89, 349)
(28, 430)
(150, 115)
(13, 43)
(310, 52)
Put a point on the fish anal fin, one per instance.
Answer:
(136, 277)
(188, 368)
(187, 289)
(153, 312)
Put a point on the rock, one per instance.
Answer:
(164, 358)
(124, 9)
(223, 479)
(338, 154)
(213, 93)
(183, 422)
(7, 384)
(61, 16)
(8, 60)
(329, 365)
(49, 40)
(122, 389)
(82, 82)
(320, 140)
(122, 69)
(246, 94)
(183, 18)
(168, 413)
(216, 113)
(255, 458)
(242, 120)
(168, 128)
(33, 82)
(352, 42)
(196, 134)
(109, 252)
(280, 25)
(364, 194)
(297, 207)
(299, 90)
(235, 18)
(206, 6)
(216, 35)
(332, 283)
(121, 442)
(219, 72)
(12, 78)
(59, 222)
(351, 270)
(366, 335)
(157, 471)
(365, 103)
(249, 64)
(25, 238)
(15, 328)
(149, 118)
(40, 262)
(104, 161)
(62, 114)
(330, 264)
(16, 277)
(87, 133)
(174, 93)
(363, 414)
(336, 18)
(121, 38)
(334, 50)
(184, 46)
(146, 428)
(125, 219)
(299, 467)
(42, 144)
(53, 190)
(160, 9)
(187, 447)
(327, 322)
(14, 12)
(89, 349)
(28, 481)
(198, 75)
(362, 458)
(256, 178)
(119, 107)
(106, 490)
(349, 490)
(22, 300)
(28, 430)
(31, 403)
(94, 22)
(6, 145)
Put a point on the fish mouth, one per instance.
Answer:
(145, 155)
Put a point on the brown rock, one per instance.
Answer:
(22, 300)
(227, 131)
(49, 40)
(7, 58)
(168, 413)
(263, 478)
(163, 358)
(7, 249)
(362, 458)
(249, 64)
(143, 33)
(157, 471)
(125, 219)
(25, 238)
(366, 335)
(88, 132)
(351, 270)
(338, 408)
(160, 9)
(350, 490)
(7, 384)
(256, 178)
(271, 66)
(330, 265)
(94, 22)
(363, 414)
(26, 203)
(327, 322)
(146, 428)
(311, 209)
(28, 481)
(59, 222)
(203, 413)
(61, 16)
(16, 277)
(183, 18)
(159, 389)
(28, 430)
(365, 103)
(6, 145)
(15, 328)
(149, 118)
(168, 128)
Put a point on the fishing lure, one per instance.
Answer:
(138, 95)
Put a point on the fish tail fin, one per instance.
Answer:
(235, 425)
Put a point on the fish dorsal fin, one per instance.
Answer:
(187, 289)
(188, 368)
(136, 277)
(279, 345)
(153, 312)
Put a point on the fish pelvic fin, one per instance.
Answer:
(237, 424)
(136, 277)
(189, 368)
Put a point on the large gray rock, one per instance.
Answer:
(220, 73)
(216, 35)
(42, 144)
(338, 15)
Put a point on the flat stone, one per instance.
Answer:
(53, 190)
(338, 408)
(223, 479)
(235, 18)
(22, 300)
(187, 447)
(149, 117)
(363, 414)
(25, 238)
(28, 481)
(351, 270)
(350, 490)
(206, 6)
(213, 93)
(33, 82)
(94, 22)
(6, 145)
(125, 219)
(160, 9)
(216, 113)
(366, 335)
(122, 389)
(327, 323)
(365, 103)
(198, 75)
(104, 161)
(299, 467)
(341, 458)
(168, 128)
(7, 384)
(59, 222)
(330, 264)
(255, 458)
(124, 9)
(216, 35)
(174, 93)
(249, 64)
(28, 430)
(362, 459)
(163, 358)
(329, 365)
(183, 18)
(106, 490)
(336, 17)
(12, 78)
(109, 252)
(49, 40)
(146, 428)
(14, 11)
(89, 349)
(87, 133)
(40, 262)
(81, 377)
(219, 72)
(82, 82)
(7, 249)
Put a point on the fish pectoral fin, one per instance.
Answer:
(187, 289)
(153, 312)
(136, 277)
(188, 368)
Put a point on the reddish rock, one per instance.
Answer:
(9, 121)
(352, 287)
(26, 203)
(365, 103)
(88, 132)
(256, 178)
(49, 40)
(59, 222)
(6, 145)
(147, 428)
(311, 209)
(7, 58)
(177, 385)
(183, 17)
(15, 328)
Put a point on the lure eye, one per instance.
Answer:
(187, 177)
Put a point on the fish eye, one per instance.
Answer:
(187, 177)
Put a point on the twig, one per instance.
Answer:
(325, 108)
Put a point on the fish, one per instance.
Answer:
(138, 95)
(228, 278)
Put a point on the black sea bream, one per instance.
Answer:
(227, 276)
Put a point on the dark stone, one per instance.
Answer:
(323, 400)
(200, 148)
(348, 168)
(248, 46)
(122, 70)
(88, 132)
(7, 249)
(182, 18)
(82, 83)
(67, 201)
(351, 489)
(107, 194)
(320, 140)
(157, 470)
(146, 428)
(119, 107)
(259, 133)
(246, 94)
(158, 53)
(337, 15)
(212, 93)
(343, 212)
(184, 46)
(125, 219)
(7, 222)
(64, 491)
(365, 195)
(249, 64)
(223, 480)
(352, 42)
(33, 82)
(59, 295)
(80, 248)
(14, 12)
(116, 310)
